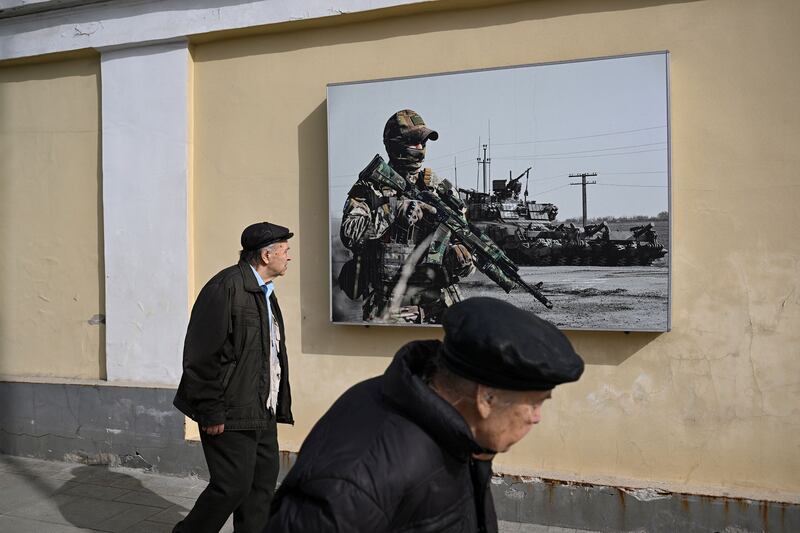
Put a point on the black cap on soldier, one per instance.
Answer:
(262, 234)
(494, 343)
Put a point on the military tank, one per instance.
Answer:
(526, 231)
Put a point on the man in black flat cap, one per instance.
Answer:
(411, 450)
(235, 383)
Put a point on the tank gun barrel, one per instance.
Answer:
(638, 231)
(520, 176)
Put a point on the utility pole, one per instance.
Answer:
(455, 173)
(583, 185)
(478, 169)
(488, 173)
(483, 162)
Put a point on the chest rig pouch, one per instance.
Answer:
(424, 260)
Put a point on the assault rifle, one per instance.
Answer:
(488, 257)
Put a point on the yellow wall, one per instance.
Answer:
(712, 405)
(51, 280)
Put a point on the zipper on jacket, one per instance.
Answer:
(228, 374)
(228, 310)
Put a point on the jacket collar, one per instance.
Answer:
(405, 389)
(249, 280)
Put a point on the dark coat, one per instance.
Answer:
(225, 356)
(390, 455)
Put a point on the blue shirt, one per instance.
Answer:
(267, 288)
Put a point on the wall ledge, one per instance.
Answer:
(18, 8)
(637, 487)
(618, 508)
(50, 26)
(49, 380)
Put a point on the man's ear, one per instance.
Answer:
(265, 256)
(484, 400)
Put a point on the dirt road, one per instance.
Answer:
(584, 297)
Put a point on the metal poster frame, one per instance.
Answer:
(566, 120)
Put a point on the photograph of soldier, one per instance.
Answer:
(544, 185)
(406, 264)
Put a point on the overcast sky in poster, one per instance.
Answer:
(607, 116)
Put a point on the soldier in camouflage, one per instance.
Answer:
(405, 264)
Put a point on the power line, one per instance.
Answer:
(450, 154)
(588, 151)
(583, 136)
(623, 185)
(623, 147)
(636, 172)
(535, 157)
(550, 178)
(606, 149)
(607, 134)
(551, 190)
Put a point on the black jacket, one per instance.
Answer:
(226, 355)
(389, 456)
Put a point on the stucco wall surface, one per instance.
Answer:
(711, 406)
(51, 266)
(145, 209)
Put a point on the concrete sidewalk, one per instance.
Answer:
(52, 497)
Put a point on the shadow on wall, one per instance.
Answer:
(320, 336)
(100, 318)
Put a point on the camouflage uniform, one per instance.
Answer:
(386, 233)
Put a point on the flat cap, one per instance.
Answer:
(407, 125)
(492, 342)
(262, 234)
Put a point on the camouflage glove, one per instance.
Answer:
(458, 261)
(409, 212)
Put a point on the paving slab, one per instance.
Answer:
(55, 497)
(129, 518)
(152, 499)
(93, 491)
(151, 527)
(171, 515)
(21, 491)
(21, 525)
(45, 509)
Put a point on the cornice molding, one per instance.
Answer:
(37, 27)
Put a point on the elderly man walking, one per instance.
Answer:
(235, 383)
(411, 450)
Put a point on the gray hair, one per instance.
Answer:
(252, 257)
(436, 372)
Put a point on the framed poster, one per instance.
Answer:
(545, 185)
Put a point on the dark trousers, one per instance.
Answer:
(244, 469)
